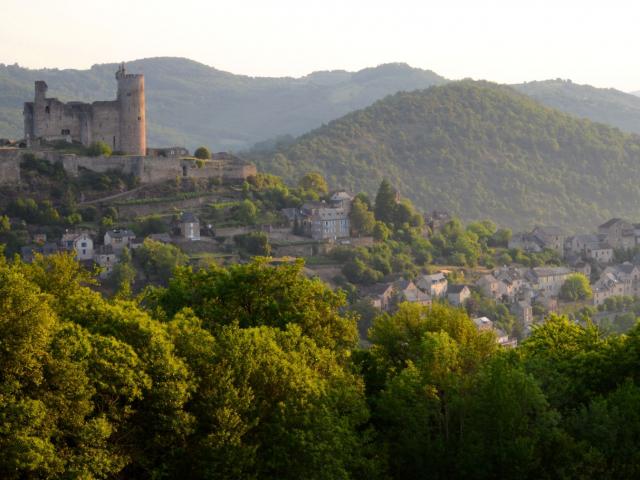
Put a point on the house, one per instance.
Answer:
(321, 221)
(523, 311)
(415, 296)
(28, 252)
(106, 258)
(39, 238)
(380, 295)
(483, 324)
(601, 252)
(549, 279)
(341, 199)
(407, 291)
(160, 237)
(527, 242)
(434, 285)
(189, 226)
(490, 286)
(618, 233)
(458, 294)
(539, 239)
(589, 247)
(119, 238)
(436, 220)
(551, 237)
(628, 276)
(607, 286)
(80, 243)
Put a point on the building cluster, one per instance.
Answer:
(106, 255)
(423, 291)
(592, 254)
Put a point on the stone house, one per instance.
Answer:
(380, 295)
(618, 233)
(189, 226)
(119, 238)
(436, 220)
(321, 221)
(106, 258)
(539, 239)
(552, 238)
(341, 199)
(491, 287)
(434, 285)
(80, 243)
(607, 286)
(458, 294)
(523, 311)
(549, 279)
(28, 252)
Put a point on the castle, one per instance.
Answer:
(119, 123)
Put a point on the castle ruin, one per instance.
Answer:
(119, 123)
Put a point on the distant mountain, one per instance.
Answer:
(479, 150)
(191, 104)
(604, 105)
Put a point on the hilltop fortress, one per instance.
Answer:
(50, 124)
(119, 123)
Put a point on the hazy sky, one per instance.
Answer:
(588, 41)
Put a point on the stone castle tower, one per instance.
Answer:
(119, 123)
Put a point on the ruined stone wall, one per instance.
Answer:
(105, 124)
(149, 169)
(57, 120)
(10, 165)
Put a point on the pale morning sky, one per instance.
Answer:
(588, 41)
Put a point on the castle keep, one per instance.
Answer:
(119, 123)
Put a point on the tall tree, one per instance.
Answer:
(385, 204)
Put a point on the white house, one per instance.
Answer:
(190, 226)
(80, 243)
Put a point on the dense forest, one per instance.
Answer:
(192, 104)
(603, 105)
(253, 371)
(479, 150)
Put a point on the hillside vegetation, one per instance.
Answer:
(479, 150)
(192, 104)
(604, 105)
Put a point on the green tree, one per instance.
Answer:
(256, 294)
(576, 287)
(246, 212)
(362, 219)
(381, 232)
(203, 153)
(385, 204)
(314, 182)
(159, 260)
(98, 149)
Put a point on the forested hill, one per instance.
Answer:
(191, 104)
(479, 150)
(605, 105)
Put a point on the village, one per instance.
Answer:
(317, 228)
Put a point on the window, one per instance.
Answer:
(65, 131)
(47, 109)
(139, 118)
